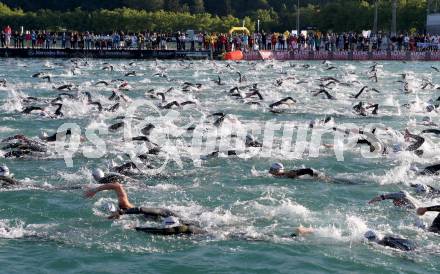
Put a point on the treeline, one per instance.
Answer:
(237, 8)
(207, 15)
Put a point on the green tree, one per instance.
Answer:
(198, 6)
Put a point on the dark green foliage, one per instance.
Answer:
(209, 15)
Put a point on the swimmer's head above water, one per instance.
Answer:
(170, 221)
(43, 135)
(98, 174)
(276, 169)
(4, 171)
(370, 235)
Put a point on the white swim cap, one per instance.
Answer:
(170, 221)
(43, 135)
(277, 167)
(420, 223)
(98, 174)
(4, 171)
(426, 119)
(111, 207)
(421, 188)
(414, 168)
(370, 235)
(249, 137)
(397, 147)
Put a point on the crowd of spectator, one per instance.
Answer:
(311, 40)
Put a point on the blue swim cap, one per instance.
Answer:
(370, 235)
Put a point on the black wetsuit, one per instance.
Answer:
(7, 181)
(419, 142)
(430, 170)
(300, 172)
(157, 214)
(112, 178)
(53, 137)
(435, 227)
(432, 130)
(397, 243)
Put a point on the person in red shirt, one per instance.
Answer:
(8, 32)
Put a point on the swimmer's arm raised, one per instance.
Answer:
(389, 196)
(423, 210)
(118, 188)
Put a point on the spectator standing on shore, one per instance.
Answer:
(63, 40)
(28, 38)
(406, 42)
(54, 39)
(8, 33)
(141, 41)
(200, 40)
(88, 41)
(385, 43)
(273, 41)
(15, 39)
(47, 39)
(263, 41)
(163, 42)
(21, 39)
(182, 40)
(3, 39)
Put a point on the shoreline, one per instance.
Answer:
(104, 54)
(208, 55)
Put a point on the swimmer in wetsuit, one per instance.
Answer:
(430, 170)
(6, 178)
(400, 199)
(427, 190)
(101, 178)
(171, 224)
(388, 241)
(277, 170)
(435, 227)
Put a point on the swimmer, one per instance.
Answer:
(58, 110)
(103, 179)
(31, 109)
(126, 169)
(130, 74)
(177, 104)
(219, 81)
(6, 178)
(63, 87)
(400, 199)
(52, 138)
(390, 241)
(432, 131)
(430, 170)
(171, 222)
(251, 142)
(416, 145)
(365, 88)
(277, 170)
(286, 101)
(427, 190)
(361, 109)
(101, 83)
(328, 95)
(372, 237)
(435, 227)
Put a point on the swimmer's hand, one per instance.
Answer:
(421, 210)
(114, 216)
(304, 230)
(407, 135)
(90, 193)
(375, 199)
